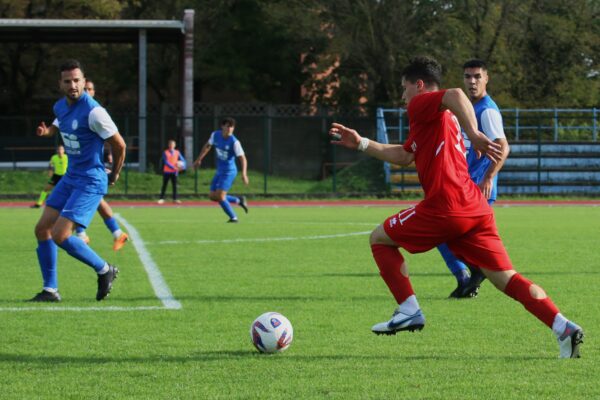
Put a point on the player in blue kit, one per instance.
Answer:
(104, 209)
(482, 171)
(227, 149)
(84, 126)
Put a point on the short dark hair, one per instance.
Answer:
(70, 65)
(424, 68)
(475, 63)
(228, 121)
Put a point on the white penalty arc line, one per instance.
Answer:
(161, 289)
(254, 240)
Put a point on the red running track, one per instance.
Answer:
(322, 203)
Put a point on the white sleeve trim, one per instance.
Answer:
(101, 123)
(55, 122)
(211, 139)
(491, 124)
(237, 149)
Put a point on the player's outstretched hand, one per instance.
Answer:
(483, 145)
(245, 179)
(197, 164)
(42, 129)
(342, 136)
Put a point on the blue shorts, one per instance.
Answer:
(222, 182)
(74, 204)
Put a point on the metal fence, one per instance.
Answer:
(553, 151)
(281, 140)
(552, 125)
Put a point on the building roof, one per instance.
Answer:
(88, 30)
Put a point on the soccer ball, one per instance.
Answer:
(181, 165)
(271, 333)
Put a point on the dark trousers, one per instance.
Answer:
(166, 179)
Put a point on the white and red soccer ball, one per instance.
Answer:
(271, 333)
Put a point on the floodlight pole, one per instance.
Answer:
(187, 86)
(142, 92)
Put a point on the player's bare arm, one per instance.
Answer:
(205, 149)
(457, 101)
(244, 164)
(486, 183)
(118, 148)
(46, 131)
(349, 138)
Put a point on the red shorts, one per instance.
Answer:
(474, 240)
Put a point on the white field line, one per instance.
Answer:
(273, 239)
(161, 289)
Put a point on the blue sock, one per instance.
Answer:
(227, 208)
(233, 199)
(457, 267)
(79, 229)
(81, 251)
(111, 224)
(47, 253)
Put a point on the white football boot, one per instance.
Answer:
(570, 341)
(400, 322)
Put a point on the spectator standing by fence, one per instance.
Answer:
(173, 162)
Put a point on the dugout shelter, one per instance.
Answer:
(141, 32)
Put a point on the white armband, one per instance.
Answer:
(363, 144)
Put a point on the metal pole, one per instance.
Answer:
(594, 124)
(555, 125)
(187, 83)
(195, 131)
(142, 76)
(539, 158)
(126, 158)
(516, 124)
(267, 146)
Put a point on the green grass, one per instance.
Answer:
(365, 176)
(31, 182)
(485, 348)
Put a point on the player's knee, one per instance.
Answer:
(537, 292)
(59, 235)
(373, 238)
(377, 237)
(104, 210)
(41, 231)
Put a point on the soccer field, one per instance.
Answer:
(312, 264)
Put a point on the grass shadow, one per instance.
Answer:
(235, 355)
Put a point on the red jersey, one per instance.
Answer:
(436, 140)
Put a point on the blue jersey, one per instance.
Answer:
(84, 126)
(227, 149)
(489, 121)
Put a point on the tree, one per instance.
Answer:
(30, 66)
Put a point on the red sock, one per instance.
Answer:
(389, 260)
(544, 309)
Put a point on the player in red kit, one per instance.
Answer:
(454, 211)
